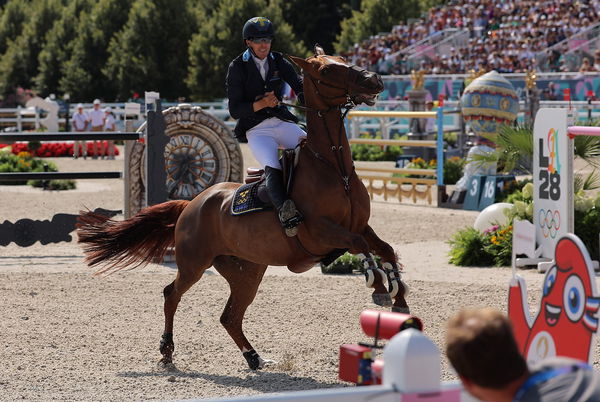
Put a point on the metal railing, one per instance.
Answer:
(582, 44)
(458, 38)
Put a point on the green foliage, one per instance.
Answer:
(219, 40)
(453, 169)
(82, 75)
(363, 152)
(148, 53)
(471, 248)
(587, 226)
(497, 243)
(587, 148)
(58, 46)
(19, 64)
(494, 246)
(374, 16)
(111, 48)
(344, 265)
(324, 24)
(23, 162)
(467, 249)
(514, 148)
(56, 185)
(513, 192)
(14, 15)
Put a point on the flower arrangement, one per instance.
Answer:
(363, 152)
(55, 149)
(468, 247)
(453, 167)
(24, 161)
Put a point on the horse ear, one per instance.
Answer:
(319, 50)
(300, 62)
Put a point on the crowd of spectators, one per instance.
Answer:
(502, 36)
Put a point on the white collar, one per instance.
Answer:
(259, 61)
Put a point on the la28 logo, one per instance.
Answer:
(549, 172)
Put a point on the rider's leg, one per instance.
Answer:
(262, 140)
(288, 214)
(289, 134)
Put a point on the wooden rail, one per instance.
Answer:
(392, 186)
(397, 190)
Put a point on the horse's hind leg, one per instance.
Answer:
(243, 277)
(186, 277)
(397, 287)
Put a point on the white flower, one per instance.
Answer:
(521, 207)
(528, 191)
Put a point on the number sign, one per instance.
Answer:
(474, 193)
(552, 178)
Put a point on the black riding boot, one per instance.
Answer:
(288, 214)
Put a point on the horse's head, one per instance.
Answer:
(336, 82)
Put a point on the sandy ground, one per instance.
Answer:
(68, 335)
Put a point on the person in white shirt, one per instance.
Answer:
(96, 119)
(80, 123)
(109, 125)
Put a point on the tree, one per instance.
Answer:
(151, 51)
(14, 15)
(219, 40)
(58, 47)
(374, 16)
(82, 76)
(20, 64)
(324, 24)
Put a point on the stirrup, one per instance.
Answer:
(290, 218)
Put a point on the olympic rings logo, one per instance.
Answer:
(549, 221)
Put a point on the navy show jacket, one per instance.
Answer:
(245, 85)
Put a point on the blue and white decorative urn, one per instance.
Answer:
(489, 102)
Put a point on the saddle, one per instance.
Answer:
(253, 196)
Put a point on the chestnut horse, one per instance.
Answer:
(333, 200)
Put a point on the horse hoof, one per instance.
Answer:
(403, 310)
(167, 364)
(382, 299)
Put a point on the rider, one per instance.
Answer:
(254, 88)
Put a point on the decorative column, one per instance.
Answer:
(416, 103)
(532, 97)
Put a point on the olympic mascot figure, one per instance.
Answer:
(567, 321)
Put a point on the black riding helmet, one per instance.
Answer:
(258, 27)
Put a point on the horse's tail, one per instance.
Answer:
(136, 241)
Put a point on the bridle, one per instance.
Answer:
(345, 101)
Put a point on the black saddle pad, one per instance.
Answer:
(246, 199)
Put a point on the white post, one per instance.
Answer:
(37, 118)
(412, 362)
(127, 171)
(19, 121)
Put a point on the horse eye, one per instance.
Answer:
(325, 71)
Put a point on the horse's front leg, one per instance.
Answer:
(243, 277)
(397, 288)
(331, 234)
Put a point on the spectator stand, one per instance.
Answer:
(568, 54)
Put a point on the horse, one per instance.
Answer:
(326, 189)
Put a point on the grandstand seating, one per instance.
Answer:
(509, 37)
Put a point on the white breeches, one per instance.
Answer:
(266, 138)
